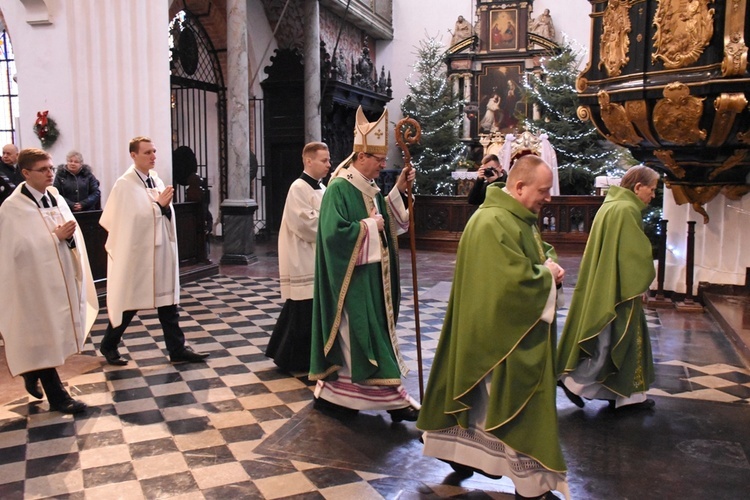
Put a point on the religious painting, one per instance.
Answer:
(500, 100)
(503, 29)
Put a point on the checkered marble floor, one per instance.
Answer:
(155, 429)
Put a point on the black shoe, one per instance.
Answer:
(32, 386)
(464, 471)
(69, 406)
(410, 414)
(643, 405)
(325, 406)
(546, 496)
(113, 357)
(461, 470)
(574, 398)
(187, 355)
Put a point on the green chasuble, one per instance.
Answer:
(493, 328)
(617, 267)
(369, 293)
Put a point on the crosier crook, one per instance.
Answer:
(408, 132)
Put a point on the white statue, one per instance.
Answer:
(462, 30)
(543, 25)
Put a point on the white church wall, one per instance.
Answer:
(720, 253)
(260, 44)
(101, 68)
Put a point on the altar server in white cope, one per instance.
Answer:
(48, 295)
(290, 342)
(142, 265)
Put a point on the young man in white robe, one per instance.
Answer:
(48, 295)
(289, 345)
(142, 265)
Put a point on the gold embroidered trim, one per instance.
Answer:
(321, 376)
(333, 333)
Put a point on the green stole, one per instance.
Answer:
(369, 293)
(493, 328)
(617, 267)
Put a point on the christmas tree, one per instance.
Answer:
(432, 102)
(582, 153)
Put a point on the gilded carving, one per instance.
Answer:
(697, 196)
(729, 163)
(617, 122)
(676, 117)
(637, 112)
(581, 83)
(584, 113)
(666, 157)
(728, 106)
(683, 30)
(735, 50)
(735, 192)
(614, 44)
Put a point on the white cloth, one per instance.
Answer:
(463, 174)
(484, 451)
(550, 158)
(297, 234)
(142, 264)
(48, 295)
(506, 153)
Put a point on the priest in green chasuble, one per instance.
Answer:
(354, 353)
(605, 350)
(489, 405)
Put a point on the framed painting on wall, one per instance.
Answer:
(500, 100)
(503, 29)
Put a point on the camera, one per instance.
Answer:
(489, 172)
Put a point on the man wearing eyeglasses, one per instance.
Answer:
(354, 354)
(48, 295)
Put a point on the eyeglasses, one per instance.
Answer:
(44, 170)
(380, 159)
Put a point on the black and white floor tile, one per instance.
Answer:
(157, 430)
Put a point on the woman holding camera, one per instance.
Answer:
(489, 172)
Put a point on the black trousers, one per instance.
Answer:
(51, 383)
(169, 318)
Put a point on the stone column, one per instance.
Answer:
(237, 210)
(312, 71)
(467, 98)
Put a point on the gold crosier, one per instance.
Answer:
(408, 131)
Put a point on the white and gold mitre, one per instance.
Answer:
(370, 137)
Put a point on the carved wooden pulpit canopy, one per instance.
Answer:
(668, 79)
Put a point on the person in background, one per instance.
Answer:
(142, 266)
(8, 162)
(48, 295)
(489, 405)
(10, 176)
(605, 349)
(289, 345)
(77, 184)
(489, 173)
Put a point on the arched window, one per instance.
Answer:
(8, 91)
